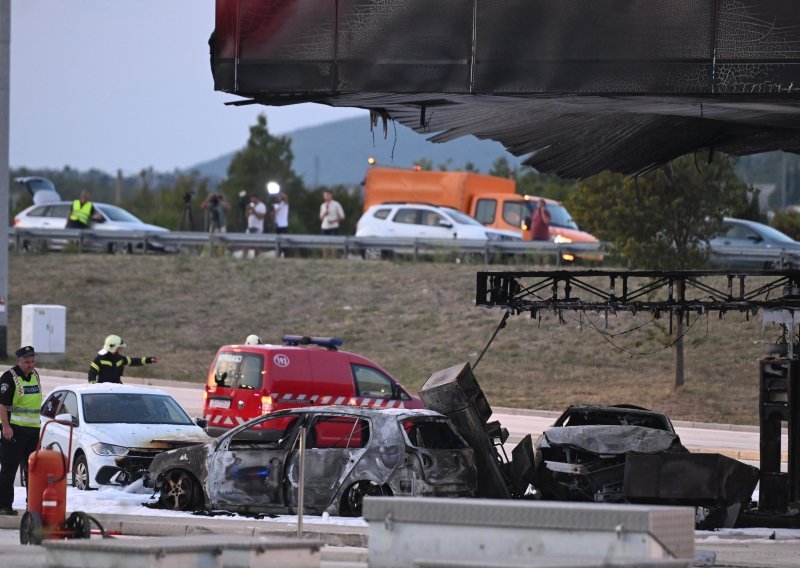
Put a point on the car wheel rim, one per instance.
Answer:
(356, 494)
(80, 477)
(177, 491)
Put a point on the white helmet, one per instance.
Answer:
(253, 340)
(113, 342)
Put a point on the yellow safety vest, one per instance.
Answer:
(27, 402)
(81, 213)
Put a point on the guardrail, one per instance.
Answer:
(144, 242)
(760, 257)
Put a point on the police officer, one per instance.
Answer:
(20, 401)
(109, 364)
(82, 212)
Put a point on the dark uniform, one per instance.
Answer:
(21, 396)
(108, 367)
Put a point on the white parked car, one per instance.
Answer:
(416, 220)
(117, 430)
(53, 215)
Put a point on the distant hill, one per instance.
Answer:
(336, 153)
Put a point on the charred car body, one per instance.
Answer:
(628, 454)
(349, 452)
(618, 454)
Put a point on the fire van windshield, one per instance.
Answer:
(239, 370)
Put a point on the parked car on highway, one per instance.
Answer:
(750, 245)
(53, 215)
(117, 430)
(417, 220)
(423, 221)
(350, 452)
(246, 381)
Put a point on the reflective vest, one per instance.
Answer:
(27, 402)
(81, 213)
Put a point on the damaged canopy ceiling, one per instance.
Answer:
(577, 86)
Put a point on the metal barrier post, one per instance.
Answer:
(301, 482)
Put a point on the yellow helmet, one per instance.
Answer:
(113, 342)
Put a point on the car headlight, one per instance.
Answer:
(561, 239)
(102, 449)
(492, 236)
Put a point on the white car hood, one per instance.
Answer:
(143, 435)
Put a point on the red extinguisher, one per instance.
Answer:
(47, 495)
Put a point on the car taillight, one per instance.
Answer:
(16, 221)
(267, 404)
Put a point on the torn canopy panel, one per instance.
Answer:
(573, 85)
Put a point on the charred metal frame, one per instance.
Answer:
(679, 293)
(632, 291)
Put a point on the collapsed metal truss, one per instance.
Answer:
(654, 291)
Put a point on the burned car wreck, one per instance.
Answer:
(349, 452)
(628, 454)
(613, 454)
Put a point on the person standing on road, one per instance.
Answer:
(109, 364)
(20, 402)
(331, 214)
(82, 212)
(281, 207)
(540, 224)
(256, 213)
(216, 205)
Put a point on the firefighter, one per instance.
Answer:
(82, 212)
(109, 364)
(253, 339)
(20, 401)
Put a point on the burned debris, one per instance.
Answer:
(604, 454)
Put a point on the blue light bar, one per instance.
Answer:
(326, 342)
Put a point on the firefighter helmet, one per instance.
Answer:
(113, 342)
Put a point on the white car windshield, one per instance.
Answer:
(132, 408)
(460, 217)
(116, 214)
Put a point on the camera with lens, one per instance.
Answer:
(187, 197)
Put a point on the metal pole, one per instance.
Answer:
(5, 81)
(301, 482)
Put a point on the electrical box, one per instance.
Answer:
(44, 327)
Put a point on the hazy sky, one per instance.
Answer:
(126, 84)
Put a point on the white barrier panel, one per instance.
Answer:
(428, 532)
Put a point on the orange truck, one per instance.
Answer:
(491, 200)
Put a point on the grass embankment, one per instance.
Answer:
(411, 318)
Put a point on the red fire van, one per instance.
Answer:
(246, 381)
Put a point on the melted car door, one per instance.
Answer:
(246, 471)
(334, 444)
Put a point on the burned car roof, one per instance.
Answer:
(622, 415)
(350, 452)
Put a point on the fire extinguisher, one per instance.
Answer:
(47, 486)
(54, 504)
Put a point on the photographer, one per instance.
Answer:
(256, 213)
(216, 204)
(281, 208)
